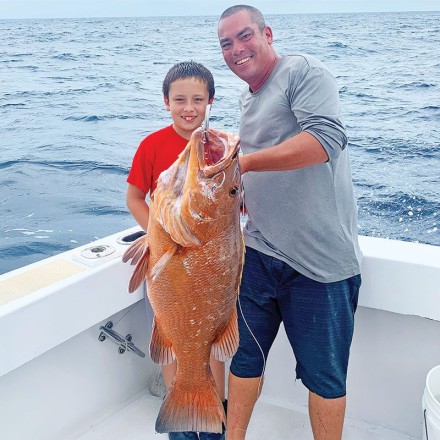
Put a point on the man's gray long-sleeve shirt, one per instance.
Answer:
(305, 217)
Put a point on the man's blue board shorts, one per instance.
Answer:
(318, 319)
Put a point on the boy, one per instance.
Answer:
(188, 88)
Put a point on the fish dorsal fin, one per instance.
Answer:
(225, 346)
(164, 260)
(161, 350)
(136, 250)
(138, 254)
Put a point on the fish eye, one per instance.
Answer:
(233, 192)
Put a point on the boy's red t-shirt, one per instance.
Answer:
(156, 153)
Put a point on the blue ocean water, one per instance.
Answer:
(78, 95)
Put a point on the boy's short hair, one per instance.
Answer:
(188, 69)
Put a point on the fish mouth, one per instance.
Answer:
(217, 153)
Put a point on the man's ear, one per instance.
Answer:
(268, 33)
(211, 100)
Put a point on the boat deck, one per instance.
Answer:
(270, 422)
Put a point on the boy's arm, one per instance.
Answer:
(135, 199)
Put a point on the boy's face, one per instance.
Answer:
(187, 102)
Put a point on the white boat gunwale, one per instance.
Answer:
(395, 343)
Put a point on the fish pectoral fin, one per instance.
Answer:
(161, 351)
(139, 254)
(225, 346)
(164, 260)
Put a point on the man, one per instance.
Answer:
(302, 264)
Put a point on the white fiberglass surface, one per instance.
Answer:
(269, 422)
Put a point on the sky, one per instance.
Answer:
(144, 8)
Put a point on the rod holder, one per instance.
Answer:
(124, 343)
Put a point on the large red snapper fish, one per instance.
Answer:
(192, 258)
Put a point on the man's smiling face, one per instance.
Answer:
(246, 49)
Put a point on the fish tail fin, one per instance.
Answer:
(139, 254)
(192, 410)
(225, 346)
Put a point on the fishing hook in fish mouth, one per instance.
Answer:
(205, 125)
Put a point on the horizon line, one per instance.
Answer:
(213, 15)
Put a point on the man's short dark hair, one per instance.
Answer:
(256, 15)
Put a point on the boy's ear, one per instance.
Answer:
(211, 100)
(167, 103)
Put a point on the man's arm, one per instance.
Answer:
(300, 151)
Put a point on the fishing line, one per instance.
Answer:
(242, 202)
(243, 213)
(126, 313)
(259, 346)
